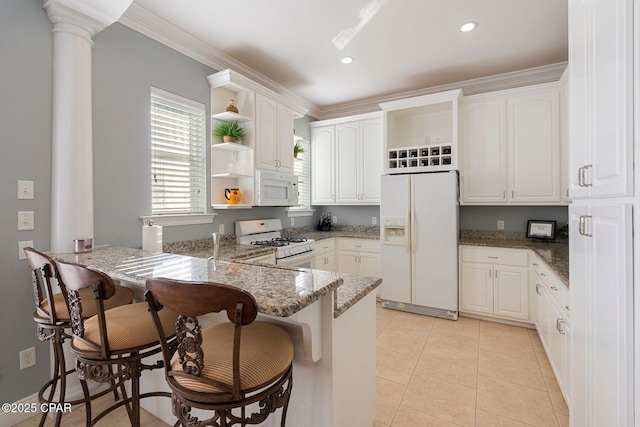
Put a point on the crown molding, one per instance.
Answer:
(85, 18)
(151, 25)
(528, 77)
(144, 22)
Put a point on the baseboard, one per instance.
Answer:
(8, 419)
(498, 320)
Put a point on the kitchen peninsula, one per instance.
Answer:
(330, 316)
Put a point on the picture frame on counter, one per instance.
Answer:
(538, 229)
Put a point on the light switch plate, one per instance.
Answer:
(21, 246)
(25, 190)
(500, 224)
(25, 220)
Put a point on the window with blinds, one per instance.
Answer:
(302, 168)
(178, 151)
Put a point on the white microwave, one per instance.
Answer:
(276, 189)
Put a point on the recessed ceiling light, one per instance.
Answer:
(468, 26)
(347, 60)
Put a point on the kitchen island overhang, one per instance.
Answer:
(330, 315)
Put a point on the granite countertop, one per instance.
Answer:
(279, 291)
(555, 254)
(352, 231)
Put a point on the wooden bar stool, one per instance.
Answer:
(224, 367)
(119, 337)
(52, 319)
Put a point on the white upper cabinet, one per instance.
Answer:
(274, 136)
(511, 147)
(347, 160)
(534, 146)
(322, 166)
(484, 150)
(601, 97)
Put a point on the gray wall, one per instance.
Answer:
(25, 141)
(515, 217)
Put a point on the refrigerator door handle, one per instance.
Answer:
(407, 231)
(413, 230)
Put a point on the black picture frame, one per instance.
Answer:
(543, 230)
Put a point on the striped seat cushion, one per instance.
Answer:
(122, 296)
(128, 326)
(266, 351)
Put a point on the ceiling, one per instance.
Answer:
(397, 45)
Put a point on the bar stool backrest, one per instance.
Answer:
(76, 277)
(190, 300)
(44, 275)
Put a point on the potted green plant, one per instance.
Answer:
(229, 131)
(297, 149)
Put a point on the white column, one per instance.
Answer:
(74, 25)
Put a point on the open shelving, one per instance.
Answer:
(422, 133)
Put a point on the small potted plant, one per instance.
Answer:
(297, 149)
(229, 131)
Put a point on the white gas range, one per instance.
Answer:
(290, 251)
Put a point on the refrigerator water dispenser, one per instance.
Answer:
(394, 231)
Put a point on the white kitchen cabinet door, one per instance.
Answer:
(284, 140)
(326, 262)
(371, 157)
(601, 314)
(601, 85)
(476, 291)
(322, 166)
(348, 262)
(348, 163)
(484, 150)
(274, 136)
(266, 133)
(369, 265)
(534, 146)
(510, 292)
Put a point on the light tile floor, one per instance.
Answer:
(435, 372)
(469, 372)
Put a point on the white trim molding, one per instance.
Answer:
(298, 212)
(171, 220)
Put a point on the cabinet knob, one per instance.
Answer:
(493, 257)
(554, 288)
(538, 289)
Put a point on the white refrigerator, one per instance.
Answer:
(419, 243)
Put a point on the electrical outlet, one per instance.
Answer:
(293, 222)
(374, 220)
(221, 228)
(500, 224)
(27, 358)
(21, 246)
(25, 190)
(334, 219)
(25, 220)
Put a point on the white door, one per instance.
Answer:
(322, 172)
(347, 162)
(510, 292)
(369, 265)
(348, 262)
(266, 133)
(371, 158)
(476, 288)
(484, 150)
(395, 260)
(284, 139)
(434, 237)
(534, 147)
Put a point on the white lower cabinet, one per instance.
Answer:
(552, 320)
(359, 256)
(494, 282)
(325, 255)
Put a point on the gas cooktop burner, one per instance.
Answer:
(278, 241)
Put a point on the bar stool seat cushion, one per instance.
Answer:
(129, 326)
(122, 296)
(266, 351)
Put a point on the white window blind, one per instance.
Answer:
(302, 168)
(178, 151)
